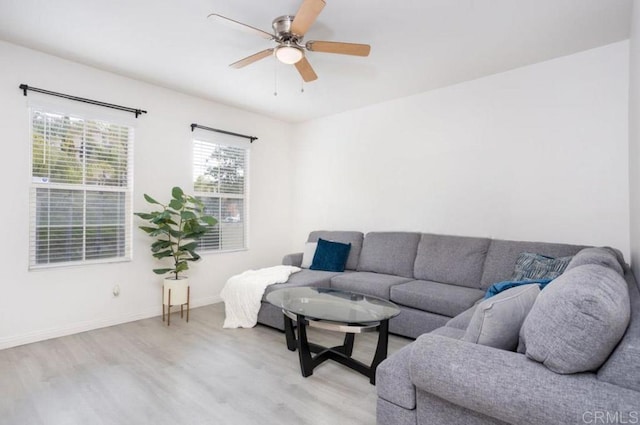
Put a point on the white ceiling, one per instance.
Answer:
(417, 45)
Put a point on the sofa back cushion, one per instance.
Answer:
(500, 262)
(604, 256)
(456, 260)
(389, 252)
(354, 238)
(577, 320)
(623, 366)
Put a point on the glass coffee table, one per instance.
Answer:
(333, 310)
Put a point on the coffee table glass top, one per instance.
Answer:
(333, 305)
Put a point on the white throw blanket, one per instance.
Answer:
(243, 293)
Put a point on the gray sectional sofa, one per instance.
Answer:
(432, 278)
(440, 378)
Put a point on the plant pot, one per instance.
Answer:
(175, 292)
(179, 291)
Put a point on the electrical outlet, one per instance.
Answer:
(116, 290)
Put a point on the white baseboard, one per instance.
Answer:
(74, 328)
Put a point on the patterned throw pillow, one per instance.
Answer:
(537, 266)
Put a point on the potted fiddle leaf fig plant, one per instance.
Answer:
(176, 227)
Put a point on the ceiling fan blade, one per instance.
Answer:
(240, 26)
(306, 16)
(251, 59)
(304, 68)
(337, 47)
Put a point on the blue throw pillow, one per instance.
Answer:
(496, 288)
(330, 256)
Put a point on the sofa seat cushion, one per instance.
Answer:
(577, 320)
(440, 298)
(354, 238)
(389, 252)
(451, 259)
(376, 284)
(305, 277)
(449, 332)
(393, 382)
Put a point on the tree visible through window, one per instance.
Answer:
(220, 173)
(80, 189)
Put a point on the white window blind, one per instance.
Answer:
(220, 178)
(80, 197)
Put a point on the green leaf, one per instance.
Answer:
(150, 200)
(161, 244)
(163, 254)
(177, 193)
(175, 233)
(182, 266)
(148, 229)
(176, 204)
(188, 215)
(144, 216)
(194, 235)
(211, 221)
(194, 257)
(162, 271)
(189, 246)
(161, 217)
(159, 231)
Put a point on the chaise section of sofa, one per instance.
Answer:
(455, 381)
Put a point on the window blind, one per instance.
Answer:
(80, 195)
(220, 182)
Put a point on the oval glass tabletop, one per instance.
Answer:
(333, 304)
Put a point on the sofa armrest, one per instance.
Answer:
(294, 259)
(510, 387)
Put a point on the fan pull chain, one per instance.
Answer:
(275, 78)
(301, 85)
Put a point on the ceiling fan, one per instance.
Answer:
(289, 31)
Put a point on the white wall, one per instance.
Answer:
(634, 137)
(41, 304)
(536, 153)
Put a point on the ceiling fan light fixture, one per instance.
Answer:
(289, 54)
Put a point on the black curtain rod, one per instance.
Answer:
(217, 130)
(138, 112)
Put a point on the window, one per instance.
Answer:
(80, 197)
(220, 182)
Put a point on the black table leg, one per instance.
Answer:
(348, 344)
(289, 334)
(306, 364)
(381, 349)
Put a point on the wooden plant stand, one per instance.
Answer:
(167, 303)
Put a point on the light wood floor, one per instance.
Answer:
(188, 374)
